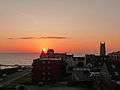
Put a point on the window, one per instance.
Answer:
(48, 62)
(49, 73)
(116, 73)
(43, 73)
(48, 68)
(43, 62)
(43, 68)
(48, 78)
(43, 78)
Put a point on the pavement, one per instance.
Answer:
(11, 78)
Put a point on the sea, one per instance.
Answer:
(17, 58)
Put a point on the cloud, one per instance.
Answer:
(10, 38)
(50, 37)
(27, 38)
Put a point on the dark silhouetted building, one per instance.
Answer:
(79, 61)
(102, 49)
(115, 56)
(49, 67)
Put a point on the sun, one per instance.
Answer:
(44, 49)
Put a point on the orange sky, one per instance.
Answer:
(81, 23)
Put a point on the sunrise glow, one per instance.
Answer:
(44, 49)
(60, 24)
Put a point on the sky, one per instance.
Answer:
(72, 26)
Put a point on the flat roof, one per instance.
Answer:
(46, 58)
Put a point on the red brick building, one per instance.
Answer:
(48, 67)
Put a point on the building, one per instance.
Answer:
(115, 56)
(79, 61)
(102, 49)
(48, 67)
(113, 65)
(95, 60)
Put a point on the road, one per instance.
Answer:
(79, 76)
(11, 78)
(57, 88)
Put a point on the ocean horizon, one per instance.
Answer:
(20, 58)
(17, 58)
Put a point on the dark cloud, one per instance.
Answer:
(10, 38)
(39, 38)
(27, 38)
(52, 37)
